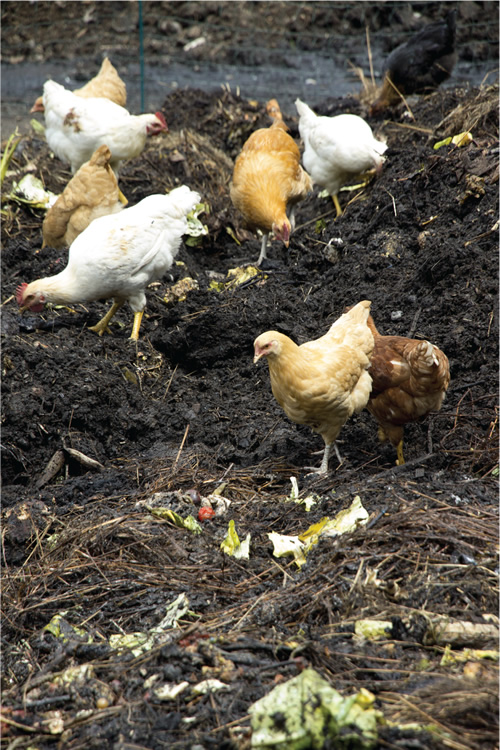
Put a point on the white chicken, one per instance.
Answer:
(75, 127)
(336, 148)
(117, 256)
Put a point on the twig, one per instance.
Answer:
(369, 50)
(393, 202)
(411, 127)
(398, 92)
(376, 518)
(181, 446)
(494, 228)
(414, 322)
(170, 382)
(245, 614)
(231, 724)
(433, 720)
(316, 218)
(22, 726)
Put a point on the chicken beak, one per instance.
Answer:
(23, 308)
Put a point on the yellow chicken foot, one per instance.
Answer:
(122, 198)
(102, 325)
(137, 324)
(399, 450)
(337, 206)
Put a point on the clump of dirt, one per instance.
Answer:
(98, 430)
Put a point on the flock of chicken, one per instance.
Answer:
(115, 252)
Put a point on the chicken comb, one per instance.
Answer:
(161, 118)
(20, 293)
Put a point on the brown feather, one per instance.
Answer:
(410, 379)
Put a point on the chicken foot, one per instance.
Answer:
(383, 436)
(323, 469)
(102, 325)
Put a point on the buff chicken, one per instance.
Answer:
(117, 256)
(268, 180)
(92, 192)
(106, 84)
(337, 148)
(410, 379)
(323, 382)
(75, 127)
(419, 65)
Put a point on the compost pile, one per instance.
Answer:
(101, 436)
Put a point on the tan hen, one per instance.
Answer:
(268, 180)
(107, 84)
(322, 382)
(91, 193)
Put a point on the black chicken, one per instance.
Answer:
(419, 65)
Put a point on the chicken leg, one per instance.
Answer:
(137, 324)
(337, 205)
(122, 198)
(102, 325)
(263, 249)
(323, 469)
(399, 449)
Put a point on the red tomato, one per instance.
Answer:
(205, 513)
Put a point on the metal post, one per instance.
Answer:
(141, 54)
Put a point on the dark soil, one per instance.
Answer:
(186, 409)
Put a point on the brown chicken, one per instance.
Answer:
(322, 382)
(419, 65)
(410, 379)
(107, 84)
(268, 179)
(92, 192)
